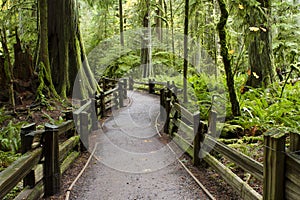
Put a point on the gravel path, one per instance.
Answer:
(130, 160)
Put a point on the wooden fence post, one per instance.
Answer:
(151, 86)
(26, 142)
(197, 138)
(104, 85)
(168, 109)
(294, 143)
(125, 88)
(212, 123)
(131, 82)
(93, 111)
(162, 104)
(102, 104)
(51, 163)
(274, 165)
(84, 130)
(121, 94)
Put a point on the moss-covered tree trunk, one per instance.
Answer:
(46, 88)
(7, 68)
(66, 51)
(235, 107)
(260, 50)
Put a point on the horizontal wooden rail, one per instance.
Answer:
(187, 131)
(11, 176)
(246, 163)
(184, 112)
(85, 107)
(242, 188)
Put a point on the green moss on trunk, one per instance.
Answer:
(235, 107)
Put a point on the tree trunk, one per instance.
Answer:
(159, 20)
(145, 51)
(46, 88)
(235, 107)
(185, 63)
(121, 22)
(172, 32)
(260, 50)
(7, 68)
(66, 50)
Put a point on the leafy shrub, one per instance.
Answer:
(10, 137)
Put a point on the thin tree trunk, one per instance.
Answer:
(235, 107)
(121, 22)
(159, 20)
(185, 63)
(145, 51)
(172, 32)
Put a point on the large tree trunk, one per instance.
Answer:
(66, 51)
(260, 50)
(46, 88)
(235, 107)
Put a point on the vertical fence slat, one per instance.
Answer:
(197, 138)
(102, 104)
(51, 163)
(26, 142)
(212, 121)
(274, 165)
(121, 94)
(162, 104)
(84, 130)
(294, 142)
(151, 86)
(93, 111)
(131, 82)
(125, 88)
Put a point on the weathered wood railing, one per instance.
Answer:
(279, 173)
(48, 153)
(281, 166)
(152, 86)
(42, 162)
(192, 135)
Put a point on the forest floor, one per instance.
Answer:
(132, 162)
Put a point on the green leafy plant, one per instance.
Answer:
(10, 137)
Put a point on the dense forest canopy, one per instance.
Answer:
(245, 52)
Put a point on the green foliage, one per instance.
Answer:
(263, 109)
(10, 137)
(6, 158)
(287, 38)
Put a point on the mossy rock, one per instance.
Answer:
(231, 131)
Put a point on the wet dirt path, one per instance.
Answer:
(131, 162)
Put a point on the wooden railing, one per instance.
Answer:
(279, 173)
(192, 135)
(281, 166)
(152, 86)
(49, 152)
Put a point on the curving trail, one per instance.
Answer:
(131, 162)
